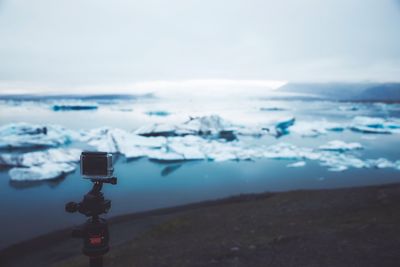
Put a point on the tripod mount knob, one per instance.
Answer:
(71, 207)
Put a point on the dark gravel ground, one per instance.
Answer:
(339, 227)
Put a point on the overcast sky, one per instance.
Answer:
(115, 41)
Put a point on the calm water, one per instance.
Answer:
(33, 208)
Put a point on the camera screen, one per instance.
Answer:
(94, 165)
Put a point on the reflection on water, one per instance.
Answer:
(170, 169)
(54, 183)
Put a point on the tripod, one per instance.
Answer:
(94, 231)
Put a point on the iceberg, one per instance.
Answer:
(179, 149)
(41, 165)
(165, 156)
(192, 148)
(46, 171)
(374, 125)
(189, 147)
(7, 160)
(349, 108)
(206, 125)
(336, 161)
(67, 106)
(200, 138)
(160, 113)
(381, 163)
(297, 164)
(276, 127)
(289, 151)
(218, 151)
(55, 155)
(282, 128)
(24, 135)
(116, 140)
(157, 129)
(272, 109)
(213, 126)
(340, 146)
(316, 128)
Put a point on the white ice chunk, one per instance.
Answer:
(43, 165)
(74, 105)
(297, 164)
(9, 160)
(338, 145)
(375, 125)
(17, 135)
(115, 140)
(381, 163)
(218, 151)
(55, 155)
(206, 125)
(157, 129)
(281, 126)
(289, 151)
(164, 155)
(189, 147)
(339, 162)
(212, 125)
(315, 128)
(45, 171)
(349, 108)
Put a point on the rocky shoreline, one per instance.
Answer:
(335, 227)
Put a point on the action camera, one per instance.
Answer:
(96, 165)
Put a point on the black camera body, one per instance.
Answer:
(96, 165)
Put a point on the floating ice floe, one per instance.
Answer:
(160, 113)
(315, 128)
(382, 163)
(23, 135)
(336, 161)
(212, 125)
(297, 164)
(46, 171)
(74, 105)
(272, 109)
(201, 138)
(338, 145)
(41, 165)
(349, 108)
(115, 140)
(373, 125)
(281, 127)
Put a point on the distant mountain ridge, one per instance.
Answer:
(387, 92)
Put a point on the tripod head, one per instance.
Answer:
(93, 203)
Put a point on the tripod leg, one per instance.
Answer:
(96, 262)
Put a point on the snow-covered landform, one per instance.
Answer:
(210, 138)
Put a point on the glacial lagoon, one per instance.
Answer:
(272, 145)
